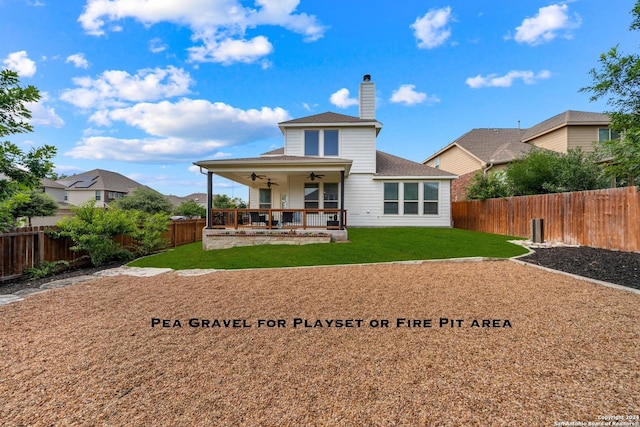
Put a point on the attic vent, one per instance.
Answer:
(366, 78)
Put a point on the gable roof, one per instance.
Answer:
(389, 165)
(568, 118)
(495, 146)
(99, 179)
(328, 117)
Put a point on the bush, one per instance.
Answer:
(149, 231)
(45, 269)
(93, 230)
(489, 186)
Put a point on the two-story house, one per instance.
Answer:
(329, 174)
(493, 149)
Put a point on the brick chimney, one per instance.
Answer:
(367, 98)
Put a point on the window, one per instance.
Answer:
(311, 196)
(331, 195)
(390, 198)
(97, 194)
(330, 142)
(66, 196)
(606, 134)
(112, 195)
(436, 162)
(265, 198)
(431, 198)
(411, 198)
(321, 143)
(311, 143)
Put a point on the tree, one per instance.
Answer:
(488, 186)
(225, 202)
(19, 171)
(618, 80)
(191, 209)
(35, 204)
(146, 200)
(544, 171)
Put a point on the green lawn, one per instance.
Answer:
(367, 245)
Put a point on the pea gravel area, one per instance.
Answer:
(88, 355)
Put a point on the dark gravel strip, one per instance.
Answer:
(621, 268)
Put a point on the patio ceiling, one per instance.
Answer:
(277, 169)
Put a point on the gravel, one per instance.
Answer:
(88, 354)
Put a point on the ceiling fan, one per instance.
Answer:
(255, 176)
(269, 183)
(313, 176)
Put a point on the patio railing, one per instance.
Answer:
(328, 219)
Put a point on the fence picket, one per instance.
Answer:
(29, 246)
(600, 218)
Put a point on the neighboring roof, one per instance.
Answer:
(47, 183)
(327, 117)
(99, 179)
(276, 152)
(390, 165)
(178, 200)
(490, 145)
(568, 118)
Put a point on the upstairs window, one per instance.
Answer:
(330, 142)
(321, 142)
(311, 142)
(606, 134)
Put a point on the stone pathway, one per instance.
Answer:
(129, 271)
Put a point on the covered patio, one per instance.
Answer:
(286, 193)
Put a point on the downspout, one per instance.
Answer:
(341, 200)
(489, 166)
(209, 197)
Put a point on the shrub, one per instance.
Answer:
(489, 186)
(149, 231)
(45, 269)
(93, 230)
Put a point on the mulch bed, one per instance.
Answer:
(621, 268)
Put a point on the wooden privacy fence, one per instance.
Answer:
(601, 218)
(30, 246)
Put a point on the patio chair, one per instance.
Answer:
(256, 217)
(287, 217)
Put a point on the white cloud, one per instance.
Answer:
(546, 25)
(78, 60)
(113, 88)
(179, 131)
(156, 45)
(20, 63)
(407, 94)
(220, 25)
(493, 80)
(42, 114)
(229, 51)
(341, 99)
(431, 30)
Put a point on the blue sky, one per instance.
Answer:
(144, 88)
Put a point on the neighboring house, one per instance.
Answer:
(199, 198)
(493, 149)
(329, 164)
(99, 185)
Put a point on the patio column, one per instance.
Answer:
(209, 197)
(341, 200)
